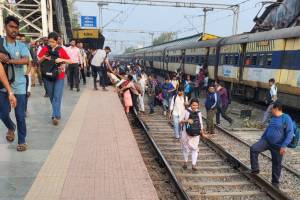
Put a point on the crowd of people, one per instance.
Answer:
(178, 95)
(49, 60)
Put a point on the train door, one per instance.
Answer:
(242, 61)
(182, 69)
(167, 60)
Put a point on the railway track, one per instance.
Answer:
(250, 135)
(156, 170)
(220, 175)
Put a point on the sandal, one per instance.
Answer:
(10, 136)
(22, 147)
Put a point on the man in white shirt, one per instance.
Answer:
(99, 65)
(270, 100)
(177, 110)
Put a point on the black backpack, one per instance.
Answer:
(8, 68)
(194, 128)
(49, 68)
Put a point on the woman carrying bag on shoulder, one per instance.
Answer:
(192, 130)
(52, 58)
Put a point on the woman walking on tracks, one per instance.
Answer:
(192, 130)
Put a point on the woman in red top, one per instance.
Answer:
(55, 88)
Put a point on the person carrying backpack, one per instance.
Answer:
(192, 130)
(177, 110)
(52, 58)
(276, 138)
(17, 55)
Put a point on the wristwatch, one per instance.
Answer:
(10, 93)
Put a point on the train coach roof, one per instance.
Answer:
(268, 35)
(197, 44)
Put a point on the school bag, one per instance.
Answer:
(8, 68)
(49, 68)
(194, 128)
(174, 100)
(296, 135)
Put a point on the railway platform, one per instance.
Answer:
(92, 154)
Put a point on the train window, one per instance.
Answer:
(254, 59)
(202, 59)
(197, 59)
(236, 60)
(248, 59)
(269, 60)
(192, 59)
(261, 61)
(226, 60)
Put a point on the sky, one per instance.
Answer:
(184, 21)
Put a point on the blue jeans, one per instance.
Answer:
(19, 113)
(165, 104)
(261, 146)
(177, 132)
(55, 91)
(151, 100)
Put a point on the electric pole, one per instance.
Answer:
(205, 10)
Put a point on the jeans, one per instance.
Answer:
(151, 100)
(222, 111)
(55, 91)
(102, 72)
(135, 101)
(74, 75)
(83, 75)
(19, 113)
(210, 120)
(165, 104)
(177, 129)
(261, 146)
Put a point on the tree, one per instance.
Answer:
(129, 50)
(74, 14)
(164, 37)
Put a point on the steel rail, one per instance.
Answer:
(288, 168)
(181, 192)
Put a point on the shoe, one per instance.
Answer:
(276, 185)
(184, 166)
(55, 121)
(78, 89)
(10, 135)
(218, 124)
(46, 95)
(194, 168)
(151, 113)
(251, 171)
(231, 123)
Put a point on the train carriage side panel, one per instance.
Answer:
(290, 73)
(174, 60)
(228, 69)
(211, 63)
(262, 62)
(194, 57)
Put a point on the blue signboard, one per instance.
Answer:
(88, 21)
